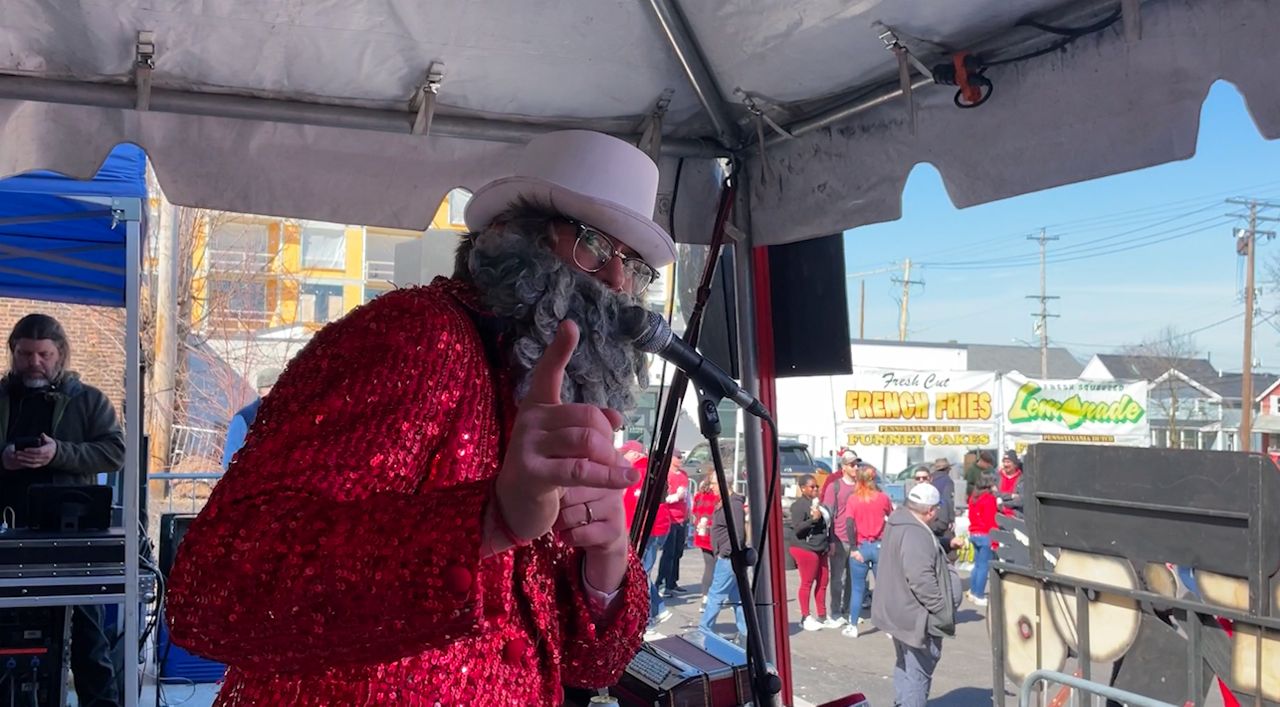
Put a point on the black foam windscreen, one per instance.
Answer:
(810, 308)
(718, 340)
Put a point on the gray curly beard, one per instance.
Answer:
(534, 290)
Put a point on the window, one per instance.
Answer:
(458, 199)
(1208, 440)
(237, 299)
(324, 246)
(320, 303)
(380, 256)
(240, 247)
(1188, 438)
(1159, 437)
(796, 456)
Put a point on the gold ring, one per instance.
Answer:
(590, 518)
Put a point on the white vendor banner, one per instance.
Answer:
(902, 408)
(1074, 411)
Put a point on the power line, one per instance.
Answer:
(1192, 332)
(1148, 240)
(1086, 247)
(1107, 220)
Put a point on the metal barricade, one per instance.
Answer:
(1088, 686)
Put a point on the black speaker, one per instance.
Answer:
(718, 339)
(173, 527)
(810, 308)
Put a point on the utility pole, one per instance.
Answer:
(862, 309)
(1044, 305)
(906, 283)
(1247, 245)
(164, 368)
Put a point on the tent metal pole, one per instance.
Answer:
(1000, 41)
(847, 110)
(280, 111)
(757, 474)
(131, 210)
(689, 54)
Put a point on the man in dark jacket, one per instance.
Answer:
(943, 524)
(57, 430)
(724, 585)
(985, 462)
(915, 602)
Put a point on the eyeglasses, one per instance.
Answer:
(593, 250)
(922, 478)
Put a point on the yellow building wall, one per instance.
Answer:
(285, 302)
(353, 288)
(284, 240)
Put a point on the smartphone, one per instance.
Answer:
(22, 443)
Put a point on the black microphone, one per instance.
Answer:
(649, 332)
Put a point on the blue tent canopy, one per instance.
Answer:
(59, 239)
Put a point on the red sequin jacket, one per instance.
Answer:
(338, 561)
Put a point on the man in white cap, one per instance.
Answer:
(428, 508)
(916, 595)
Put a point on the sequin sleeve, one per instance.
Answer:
(331, 538)
(595, 653)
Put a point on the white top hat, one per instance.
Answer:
(587, 176)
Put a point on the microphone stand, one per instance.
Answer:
(764, 684)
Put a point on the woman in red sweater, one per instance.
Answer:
(704, 506)
(865, 516)
(982, 519)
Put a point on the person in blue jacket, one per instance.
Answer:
(243, 419)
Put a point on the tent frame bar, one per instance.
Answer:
(59, 256)
(124, 97)
(50, 218)
(689, 53)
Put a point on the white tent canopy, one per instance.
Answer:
(304, 109)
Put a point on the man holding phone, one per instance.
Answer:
(58, 430)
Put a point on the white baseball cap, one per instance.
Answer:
(924, 494)
(590, 177)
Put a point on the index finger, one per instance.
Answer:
(547, 377)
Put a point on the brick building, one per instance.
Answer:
(97, 341)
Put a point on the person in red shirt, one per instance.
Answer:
(835, 495)
(704, 508)
(1009, 489)
(864, 515)
(634, 453)
(677, 505)
(982, 520)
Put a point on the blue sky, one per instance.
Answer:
(1190, 280)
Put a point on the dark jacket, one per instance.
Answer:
(720, 533)
(916, 590)
(88, 435)
(971, 475)
(944, 522)
(806, 532)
